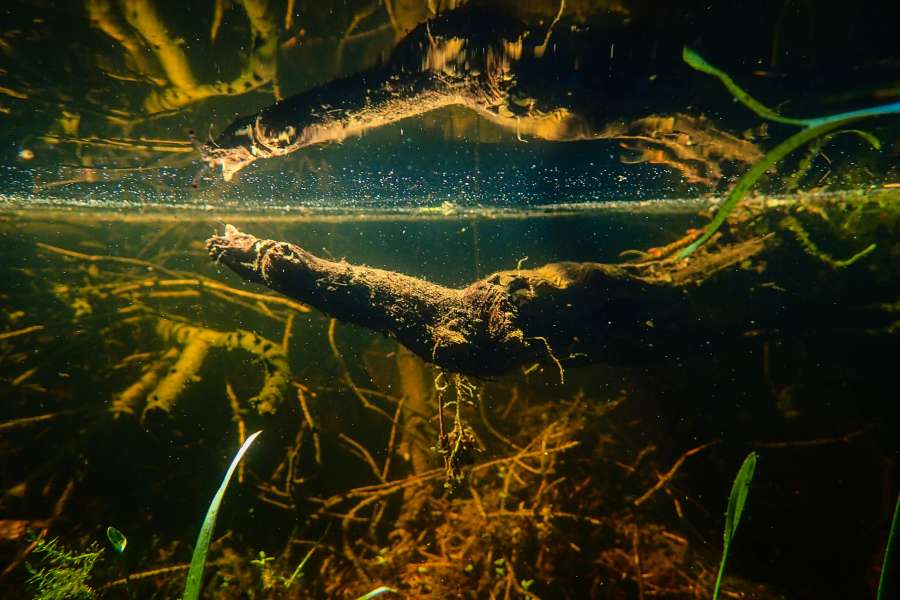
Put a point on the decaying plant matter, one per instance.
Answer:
(117, 318)
(559, 505)
(163, 382)
(169, 372)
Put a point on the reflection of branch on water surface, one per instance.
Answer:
(138, 47)
(183, 88)
(102, 116)
(129, 144)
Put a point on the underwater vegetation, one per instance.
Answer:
(198, 559)
(116, 539)
(890, 549)
(816, 128)
(65, 573)
(377, 469)
(740, 489)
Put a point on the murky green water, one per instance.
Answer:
(578, 483)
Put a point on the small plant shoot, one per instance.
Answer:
(890, 548)
(379, 591)
(198, 560)
(736, 501)
(116, 539)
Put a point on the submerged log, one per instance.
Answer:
(575, 312)
(763, 275)
(473, 330)
(508, 319)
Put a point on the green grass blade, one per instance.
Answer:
(738, 497)
(748, 179)
(814, 128)
(198, 560)
(889, 550)
(299, 570)
(740, 489)
(698, 63)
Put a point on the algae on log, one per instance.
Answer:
(756, 277)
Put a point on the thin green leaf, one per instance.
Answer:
(298, 572)
(697, 62)
(740, 489)
(198, 560)
(116, 539)
(738, 497)
(814, 128)
(865, 135)
(793, 180)
(889, 550)
(748, 179)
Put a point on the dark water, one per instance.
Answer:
(821, 416)
(608, 482)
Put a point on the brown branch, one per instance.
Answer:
(237, 415)
(392, 439)
(361, 452)
(636, 545)
(345, 373)
(667, 477)
(611, 313)
(45, 526)
(307, 415)
(180, 278)
(26, 421)
(828, 441)
(24, 331)
(159, 572)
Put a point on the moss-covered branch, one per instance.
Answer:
(164, 382)
(442, 325)
(196, 342)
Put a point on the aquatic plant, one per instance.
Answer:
(889, 550)
(271, 579)
(116, 539)
(814, 128)
(66, 577)
(543, 481)
(736, 501)
(198, 560)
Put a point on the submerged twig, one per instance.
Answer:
(667, 477)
